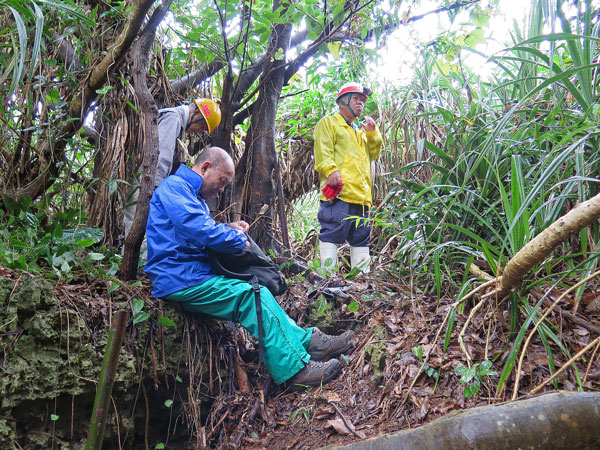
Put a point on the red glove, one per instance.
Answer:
(330, 193)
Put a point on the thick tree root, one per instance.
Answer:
(552, 421)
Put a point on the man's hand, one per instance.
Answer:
(369, 124)
(240, 225)
(335, 179)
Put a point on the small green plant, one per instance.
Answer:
(430, 371)
(472, 376)
(139, 315)
(306, 412)
(321, 305)
(324, 270)
(57, 244)
(353, 306)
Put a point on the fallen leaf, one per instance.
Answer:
(330, 396)
(323, 412)
(339, 426)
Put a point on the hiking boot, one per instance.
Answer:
(323, 347)
(316, 373)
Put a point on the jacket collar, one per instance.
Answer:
(342, 121)
(193, 178)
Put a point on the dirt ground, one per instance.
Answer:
(402, 372)
(381, 388)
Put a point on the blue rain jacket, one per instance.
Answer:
(179, 230)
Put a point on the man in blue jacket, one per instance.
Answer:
(180, 230)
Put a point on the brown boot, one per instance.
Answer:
(316, 373)
(323, 347)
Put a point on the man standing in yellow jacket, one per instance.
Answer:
(344, 148)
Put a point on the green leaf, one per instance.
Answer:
(472, 388)
(140, 317)
(54, 417)
(58, 231)
(113, 288)
(418, 351)
(113, 185)
(474, 38)
(103, 90)
(138, 305)
(166, 322)
(85, 242)
(334, 49)
(354, 306)
(466, 374)
(178, 379)
(22, 32)
(159, 446)
(321, 304)
(449, 328)
(81, 234)
(96, 256)
(168, 403)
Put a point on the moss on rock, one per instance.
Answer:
(51, 354)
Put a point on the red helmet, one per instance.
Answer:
(353, 88)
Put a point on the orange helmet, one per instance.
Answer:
(210, 111)
(353, 88)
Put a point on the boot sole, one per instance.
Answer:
(324, 380)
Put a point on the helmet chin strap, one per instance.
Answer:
(347, 105)
(192, 122)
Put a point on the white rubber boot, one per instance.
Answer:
(360, 256)
(328, 254)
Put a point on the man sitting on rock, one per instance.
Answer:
(180, 230)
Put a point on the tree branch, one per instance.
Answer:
(184, 84)
(79, 107)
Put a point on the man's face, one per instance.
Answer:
(197, 124)
(215, 178)
(357, 104)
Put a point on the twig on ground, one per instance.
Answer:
(453, 306)
(537, 325)
(464, 329)
(348, 424)
(587, 371)
(565, 365)
(253, 412)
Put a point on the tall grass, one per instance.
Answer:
(512, 161)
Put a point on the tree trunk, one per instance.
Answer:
(147, 140)
(553, 421)
(256, 184)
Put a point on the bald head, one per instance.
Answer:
(216, 168)
(216, 155)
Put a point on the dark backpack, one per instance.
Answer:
(247, 262)
(252, 265)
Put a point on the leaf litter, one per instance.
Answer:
(397, 377)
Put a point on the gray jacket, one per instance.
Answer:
(171, 126)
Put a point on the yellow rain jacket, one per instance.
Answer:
(340, 147)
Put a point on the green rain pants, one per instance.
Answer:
(230, 299)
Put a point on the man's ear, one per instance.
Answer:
(205, 166)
